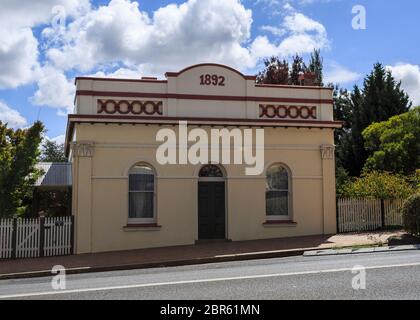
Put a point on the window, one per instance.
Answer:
(141, 195)
(210, 171)
(277, 194)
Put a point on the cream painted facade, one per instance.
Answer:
(114, 128)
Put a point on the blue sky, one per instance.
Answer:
(40, 54)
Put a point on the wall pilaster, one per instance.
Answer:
(82, 153)
(328, 189)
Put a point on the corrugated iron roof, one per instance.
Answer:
(56, 174)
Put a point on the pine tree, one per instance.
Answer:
(380, 99)
(298, 66)
(316, 65)
(342, 109)
(357, 154)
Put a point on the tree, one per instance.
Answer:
(343, 111)
(276, 72)
(53, 152)
(379, 185)
(298, 66)
(19, 151)
(356, 152)
(394, 145)
(380, 99)
(316, 66)
(411, 215)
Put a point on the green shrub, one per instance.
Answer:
(411, 215)
(379, 185)
(341, 179)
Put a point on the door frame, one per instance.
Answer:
(214, 179)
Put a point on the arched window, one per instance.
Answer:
(277, 194)
(141, 194)
(210, 171)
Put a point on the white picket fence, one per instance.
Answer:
(36, 237)
(6, 238)
(393, 212)
(28, 238)
(58, 236)
(355, 215)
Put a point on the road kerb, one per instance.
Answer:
(349, 250)
(161, 264)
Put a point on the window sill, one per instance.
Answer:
(279, 223)
(142, 227)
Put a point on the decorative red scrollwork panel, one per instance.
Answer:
(287, 112)
(134, 107)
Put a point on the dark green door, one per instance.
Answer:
(211, 210)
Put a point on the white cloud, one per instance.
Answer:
(18, 46)
(262, 47)
(279, 7)
(54, 90)
(299, 23)
(302, 35)
(18, 56)
(28, 13)
(337, 74)
(274, 30)
(58, 139)
(409, 75)
(12, 117)
(121, 34)
(175, 36)
(128, 73)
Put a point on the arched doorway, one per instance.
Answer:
(211, 203)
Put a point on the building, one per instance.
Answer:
(52, 190)
(123, 198)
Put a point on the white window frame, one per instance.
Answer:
(153, 220)
(289, 217)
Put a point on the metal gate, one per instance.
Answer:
(36, 237)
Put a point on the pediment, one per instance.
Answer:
(210, 79)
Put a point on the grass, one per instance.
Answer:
(361, 246)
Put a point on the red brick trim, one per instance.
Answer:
(274, 111)
(116, 107)
(257, 122)
(279, 86)
(144, 80)
(117, 119)
(198, 97)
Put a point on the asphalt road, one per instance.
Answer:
(388, 276)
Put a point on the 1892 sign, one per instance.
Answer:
(212, 80)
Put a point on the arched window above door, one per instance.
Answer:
(211, 171)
